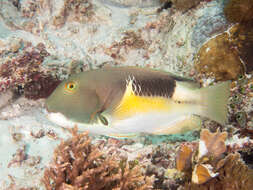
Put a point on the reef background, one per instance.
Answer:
(44, 41)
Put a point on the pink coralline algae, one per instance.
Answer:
(21, 70)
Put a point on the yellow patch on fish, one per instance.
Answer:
(132, 104)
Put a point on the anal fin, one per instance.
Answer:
(123, 136)
(182, 125)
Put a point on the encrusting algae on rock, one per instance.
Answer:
(229, 54)
(217, 59)
(239, 11)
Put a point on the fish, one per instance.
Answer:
(123, 102)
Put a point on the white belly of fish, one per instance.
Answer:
(150, 123)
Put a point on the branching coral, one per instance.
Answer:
(77, 164)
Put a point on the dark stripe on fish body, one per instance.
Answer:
(154, 87)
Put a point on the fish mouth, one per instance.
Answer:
(60, 119)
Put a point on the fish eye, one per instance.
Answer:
(70, 87)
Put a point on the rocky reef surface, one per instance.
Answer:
(43, 42)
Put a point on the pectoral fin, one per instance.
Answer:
(103, 119)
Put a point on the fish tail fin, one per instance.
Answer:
(214, 100)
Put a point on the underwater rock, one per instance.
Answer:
(239, 11)
(184, 5)
(217, 59)
(211, 22)
(6, 98)
(132, 3)
(22, 70)
(241, 39)
(76, 10)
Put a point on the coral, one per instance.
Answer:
(217, 59)
(184, 157)
(240, 107)
(21, 70)
(210, 168)
(229, 54)
(212, 144)
(163, 167)
(239, 11)
(233, 175)
(241, 40)
(78, 164)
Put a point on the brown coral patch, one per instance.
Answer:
(214, 171)
(233, 175)
(242, 42)
(214, 144)
(77, 164)
(184, 5)
(239, 10)
(184, 157)
(218, 59)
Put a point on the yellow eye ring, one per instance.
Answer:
(70, 87)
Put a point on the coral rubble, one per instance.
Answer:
(78, 164)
